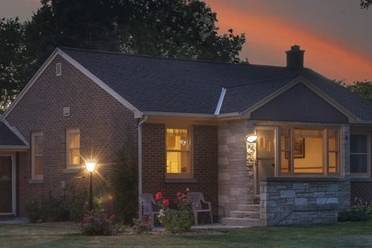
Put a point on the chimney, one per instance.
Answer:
(295, 58)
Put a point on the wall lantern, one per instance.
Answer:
(252, 138)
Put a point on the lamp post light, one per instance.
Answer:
(90, 166)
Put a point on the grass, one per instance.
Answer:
(342, 235)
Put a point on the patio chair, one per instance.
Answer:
(148, 207)
(199, 205)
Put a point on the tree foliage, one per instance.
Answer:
(363, 88)
(14, 60)
(365, 3)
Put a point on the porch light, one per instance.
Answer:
(252, 138)
(90, 166)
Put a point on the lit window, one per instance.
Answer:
(309, 151)
(37, 151)
(178, 152)
(359, 154)
(73, 147)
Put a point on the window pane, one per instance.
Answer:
(308, 151)
(178, 162)
(38, 143)
(284, 151)
(74, 140)
(332, 162)
(178, 151)
(358, 163)
(75, 157)
(38, 166)
(177, 139)
(358, 144)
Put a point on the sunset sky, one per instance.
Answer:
(336, 34)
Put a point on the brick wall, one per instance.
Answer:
(204, 162)
(103, 122)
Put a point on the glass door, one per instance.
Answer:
(265, 155)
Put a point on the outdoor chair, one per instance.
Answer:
(199, 205)
(148, 207)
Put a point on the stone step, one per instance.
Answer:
(245, 214)
(246, 222)
(249, 207)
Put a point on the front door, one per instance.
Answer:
(7, 185)
(265, 155)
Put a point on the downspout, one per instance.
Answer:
(139, 130)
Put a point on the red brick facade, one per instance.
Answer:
(204, 160)
(104, 125)
(103, 122)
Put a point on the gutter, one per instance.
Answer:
(140, 159)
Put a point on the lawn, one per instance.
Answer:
(67, 235)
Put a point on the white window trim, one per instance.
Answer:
(58, 69)
(14, 183)
(181, 175)
(68, 132)
(33, 176)
(368, 173)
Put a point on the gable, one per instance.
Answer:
(299, 104)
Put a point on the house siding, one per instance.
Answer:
(204, 158)
(104, 125)
(299, 104)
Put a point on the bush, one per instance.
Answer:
(142, 225)
(176, 216)
(360, 211)
(124, 184)
(98, 223)
(35, 212)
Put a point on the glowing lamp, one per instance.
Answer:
(90, 166)
(252, 138)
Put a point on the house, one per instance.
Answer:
(265, 144)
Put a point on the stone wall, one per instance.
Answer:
(235, 176)
(286, 201)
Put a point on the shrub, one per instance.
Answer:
(35, 212)
(176, 216)
(98, 223)
(142, 225)
(360, 211)
(124, 184)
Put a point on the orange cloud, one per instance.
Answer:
(268, 37)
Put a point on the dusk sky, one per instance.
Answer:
(336, 34)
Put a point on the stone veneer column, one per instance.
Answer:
(235, 178)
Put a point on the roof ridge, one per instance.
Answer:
(204, 61)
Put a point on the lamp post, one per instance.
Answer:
(90, 166)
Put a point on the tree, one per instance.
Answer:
(171, 28)
(363, 88)
(365, 3)
(13, 60)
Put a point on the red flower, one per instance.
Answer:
(165, 203)
(158, 196)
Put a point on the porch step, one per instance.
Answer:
(249, 207)
(245, 214)
(246, 222)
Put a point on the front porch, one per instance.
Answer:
(282, 173)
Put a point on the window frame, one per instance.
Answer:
(70, 131)
(368, 173)
(34, 155)
(325, 163)
(191, 154)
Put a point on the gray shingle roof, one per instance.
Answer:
(189, 86)
(8, 137)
